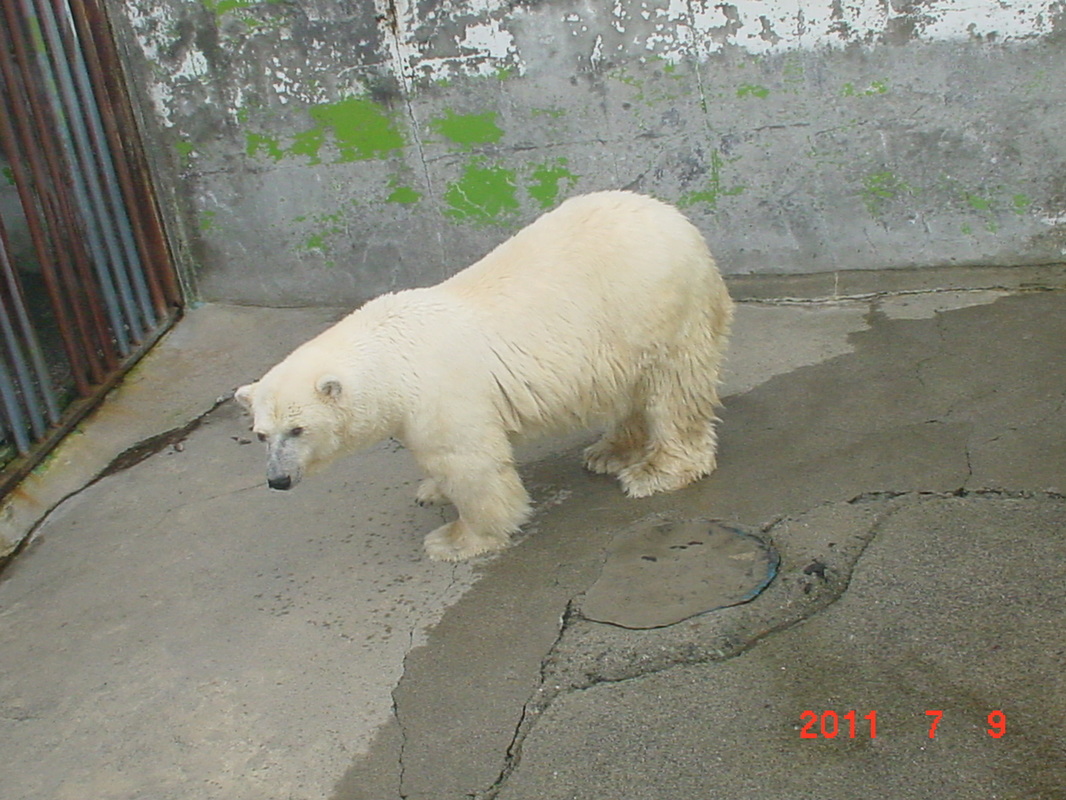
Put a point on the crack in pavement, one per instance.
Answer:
(530, 712)
(808, 591)
(878, 295)
(802, 592)
(401, 766)
(127, 459)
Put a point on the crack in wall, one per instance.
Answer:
(404, 71)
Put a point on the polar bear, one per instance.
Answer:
(608, 310)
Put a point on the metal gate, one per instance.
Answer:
(86, 279)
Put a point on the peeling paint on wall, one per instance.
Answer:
(682, 29)
(798, 136)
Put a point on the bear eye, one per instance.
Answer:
(296, 431)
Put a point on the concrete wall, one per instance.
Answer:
(328, 151)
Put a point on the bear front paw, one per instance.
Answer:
(456, 542)
(429, 493)
(605, 457)
(659, 473)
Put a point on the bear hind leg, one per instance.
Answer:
(672, 463)
(682, 441)
(622, 445)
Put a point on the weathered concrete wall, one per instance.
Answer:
(328, 151)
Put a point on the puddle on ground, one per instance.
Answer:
(659, 572)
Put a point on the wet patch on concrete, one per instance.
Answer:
(953, 605)
(818, 459)
(660, 572)
(816, 551)
(281, 623)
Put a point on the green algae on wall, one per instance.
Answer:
(546, 178)
(468, 130)
(714, 191)
(880, 187)
(220, 7)
(483, 194)
(361, 130)
(255, 142)
(403, 194)
(320, 230)
(875, 88)
(753, 90)
(553, 113)
(992, 208)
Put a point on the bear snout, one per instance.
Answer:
(281, 482)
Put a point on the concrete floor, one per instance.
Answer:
(176, 630)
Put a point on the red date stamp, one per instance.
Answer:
(830, 724)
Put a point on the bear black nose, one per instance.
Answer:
(283, 482)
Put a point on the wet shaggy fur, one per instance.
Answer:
(608, 311)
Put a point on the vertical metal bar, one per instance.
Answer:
(15, 323)
(86, 190)
(9, 400)
(106, 70)
(21, 423)
(109, 179)
(29, 407)
(69, 134)
(35, 162)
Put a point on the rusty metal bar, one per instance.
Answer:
(59, 91)
(12, 412)
(38, 172)
(76, 296)
(17, 470)
(68, 133)
(17, 328)
(112, 210)
(106, 70)
(20, 417)
(24, 360)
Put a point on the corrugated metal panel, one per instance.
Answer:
(86, 279)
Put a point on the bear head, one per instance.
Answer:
(301, 419)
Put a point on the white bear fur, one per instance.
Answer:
(608, 310)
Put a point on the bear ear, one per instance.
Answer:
(244, 396)
(329, 386)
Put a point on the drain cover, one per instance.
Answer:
(660, 572)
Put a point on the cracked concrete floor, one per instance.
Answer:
(176, 630)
